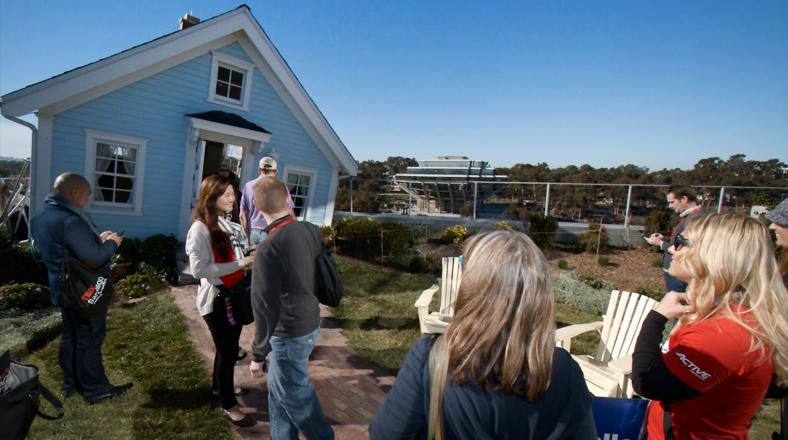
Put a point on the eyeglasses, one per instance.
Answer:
(680, 241)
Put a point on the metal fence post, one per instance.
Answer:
(719, 203)
(410, 203)
(475, 191)
(626, 212)
(350, 182)
(546, 199)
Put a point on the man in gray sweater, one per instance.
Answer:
(287, 315)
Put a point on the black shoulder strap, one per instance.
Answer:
(56, 403)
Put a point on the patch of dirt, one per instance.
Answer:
(628, 269)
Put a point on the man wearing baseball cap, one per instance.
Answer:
(779, 218)
(252, 220)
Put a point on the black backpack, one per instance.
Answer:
(19, 391)
(328, 286)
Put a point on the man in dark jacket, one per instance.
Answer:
(287, 315)
(63, 226)
(683, 201)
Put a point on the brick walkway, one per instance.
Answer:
(350, 388)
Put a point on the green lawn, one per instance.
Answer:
(379, 320)
(148, 344)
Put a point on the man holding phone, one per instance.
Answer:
(683, 201)
(63, 226)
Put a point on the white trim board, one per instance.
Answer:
(92, 137)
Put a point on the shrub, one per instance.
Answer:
(17, 265)
(454, 234)
(145, 280)
(159, 251)
(504, 226)
(657, 262)
(541, 229)
(603, 261)
(595, 282)
(568, 289)
(25, 296)
(595, 237)
(329, 233)
(130, 251)
(397, 238)
(6, 238)
(657, 221)
(360, 234)
(563, 264)
(656, 294)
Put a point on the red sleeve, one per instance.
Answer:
(704, 354)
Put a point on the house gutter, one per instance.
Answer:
(33, 151)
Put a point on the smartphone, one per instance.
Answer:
(121, 233)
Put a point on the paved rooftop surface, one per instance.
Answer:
(350, 388)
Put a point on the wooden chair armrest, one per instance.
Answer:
(622, 365)
(426, 297)
(573, 330)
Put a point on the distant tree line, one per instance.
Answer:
(370, 186)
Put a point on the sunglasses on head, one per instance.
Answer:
(680, 241)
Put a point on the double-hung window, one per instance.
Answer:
(300, 183)
(115, 166)
(231, 81)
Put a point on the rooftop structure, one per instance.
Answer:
(446, 184)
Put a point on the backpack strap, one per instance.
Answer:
(439, 368)
(56, 403)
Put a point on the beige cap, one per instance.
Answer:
(267, 163)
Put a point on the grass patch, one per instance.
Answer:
(22, 331)
(148, 344)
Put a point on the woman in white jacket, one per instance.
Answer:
(215, 247)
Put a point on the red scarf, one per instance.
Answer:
(233, 278)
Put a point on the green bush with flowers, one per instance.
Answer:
(26, 296)
(145, 280)
(454, 234)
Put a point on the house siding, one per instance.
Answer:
(154, 108)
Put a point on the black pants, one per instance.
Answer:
(225, 339)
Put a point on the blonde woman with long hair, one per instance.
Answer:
(506, 378)
(731, 337)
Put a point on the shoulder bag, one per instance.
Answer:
(83, 290)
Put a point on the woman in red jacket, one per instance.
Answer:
(709, 379)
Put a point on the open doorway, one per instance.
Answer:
(226, 159)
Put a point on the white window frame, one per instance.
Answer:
(312, 173)
(220, 59)
(92, 138)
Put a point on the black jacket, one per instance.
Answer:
(563, 412)
(283, 285)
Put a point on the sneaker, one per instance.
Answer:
(236, 417)
(112, 392)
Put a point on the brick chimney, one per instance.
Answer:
(188, 21)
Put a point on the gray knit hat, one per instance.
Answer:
(779, 214)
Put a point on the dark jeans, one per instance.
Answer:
(80, 354)
(225, 339)
(673, 284)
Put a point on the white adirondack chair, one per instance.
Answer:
(438, 321)
(608, 373)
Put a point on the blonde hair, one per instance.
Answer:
(731, 263)
(503, 332)
(271, 195)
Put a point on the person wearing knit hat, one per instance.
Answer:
(779, 218)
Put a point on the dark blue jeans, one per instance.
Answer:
(80, 354)
(292, 402)
(673, 284)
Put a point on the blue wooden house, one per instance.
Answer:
(147, 124)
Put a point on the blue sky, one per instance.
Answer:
(656, 84)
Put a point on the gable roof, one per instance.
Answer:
(90, 81)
